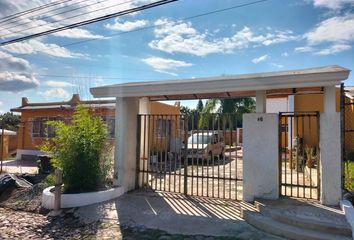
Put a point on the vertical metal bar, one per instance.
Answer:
(148, 160)
(236, 159)
(202, 160)
(155, 147)
(223, 157)
(185, 155)
(175, 156)
(342, 131)
(297, 153)
(230, 162)
(181, 150)
(319, 159)
(212, 155)
(138, 137)
(310, 168)
(218, 116)
(213, 162)
(292, 121)
(303, 156)
(165, 150)
(193, 152)
(144, 156)
(198, 128)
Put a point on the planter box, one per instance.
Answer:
(80, 199)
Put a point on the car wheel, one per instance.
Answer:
(222, 154)
(210, 156)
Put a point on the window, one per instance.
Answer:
(40, 127)
(110, 121)
(163, 127)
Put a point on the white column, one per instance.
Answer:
(126, 142)
(261, 101)
(260, 156)
(330, 150)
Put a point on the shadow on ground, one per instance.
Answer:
(175, 214)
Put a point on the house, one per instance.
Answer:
(299, 102)
(34, 129)
(8, 142)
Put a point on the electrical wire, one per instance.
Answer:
(23, 13)
(86, 22)
(57, 14)
(146, 28)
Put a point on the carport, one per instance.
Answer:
(261, 171)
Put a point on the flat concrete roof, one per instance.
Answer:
(227, 86)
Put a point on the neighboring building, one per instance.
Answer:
(34, 116)
(309, 103)
(10, 142)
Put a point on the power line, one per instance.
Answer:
(52, 10)
(147, 27)
(71, 10)
(23, 13)
(86, 22)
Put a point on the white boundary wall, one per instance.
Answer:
(260, 156)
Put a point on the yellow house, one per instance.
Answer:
(309, 103)
(34, 116)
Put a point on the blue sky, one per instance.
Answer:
(273, 35)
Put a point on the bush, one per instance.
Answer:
(80, 150)
(350, 156)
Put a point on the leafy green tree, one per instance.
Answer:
(237, 106)
(79, 149)
(200, 106)
(9, 121)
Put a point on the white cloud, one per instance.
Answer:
(59, 84)
(304, 49)
(339, 29)
(78, 33)
(277, 65)
(285, 54)
(182, 37)
(164, 65)
(35, 46)
(335, 48)
(331, 36)
(16, 74)
(332, 4)
(58, 93)
(260, 59)
(119, 25)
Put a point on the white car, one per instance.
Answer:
(205, 145)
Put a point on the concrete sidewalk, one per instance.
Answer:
(175, 214)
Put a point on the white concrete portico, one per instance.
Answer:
(263, 165)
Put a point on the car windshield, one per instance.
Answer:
(198, 139)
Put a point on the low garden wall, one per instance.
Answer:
(80, 199)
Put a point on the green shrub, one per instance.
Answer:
(80, 150)
(50, 180)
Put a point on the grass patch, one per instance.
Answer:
(349, 175)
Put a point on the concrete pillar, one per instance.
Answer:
(261, 101)
(126, 142)
(260, 156)
(330, 150)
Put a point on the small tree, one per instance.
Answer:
(80, 150)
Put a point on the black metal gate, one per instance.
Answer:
(299, 154)
(347, 128)
(198, 155)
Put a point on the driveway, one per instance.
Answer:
(175, 214)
